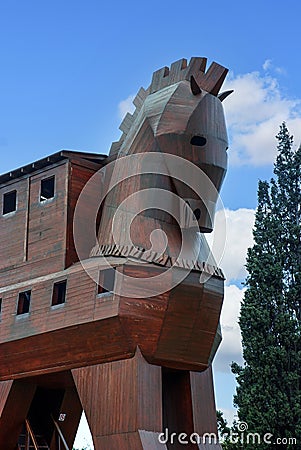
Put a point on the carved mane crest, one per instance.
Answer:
(209, 81)
(129, 119)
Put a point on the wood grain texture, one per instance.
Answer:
(139, 440)
(169, 330)
(89, 328)
(37, 399)
(41, 226)
(165, 122)
(37, 238)
(177, 407)
(71, 406)
(203, 402)
(130, 351)
(59, 350)
(5, 387)
(14, 412)
(132, 386)
(79, 174)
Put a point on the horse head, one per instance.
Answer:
(180, 116)
(181, 113)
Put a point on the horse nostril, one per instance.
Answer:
(198, 141)
(197, 213)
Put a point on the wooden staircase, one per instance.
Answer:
(29, 440)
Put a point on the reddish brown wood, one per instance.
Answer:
(37, 399)
(37, 239)
(152, 400)
(5, 387)
(132, 386)
(203, 402)
(72, 408)
(15, 409)
(169, 331)
(177, 406)
(79, 173)
(94, 334)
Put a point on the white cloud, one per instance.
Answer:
(267, 64)
(239, 238)
(229, 415)
(126, 106)
(254, 113)
(235, 240)
(230, 348)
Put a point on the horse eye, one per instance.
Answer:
(198, 141)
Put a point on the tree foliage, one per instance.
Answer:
(268, 395)
(228, 436)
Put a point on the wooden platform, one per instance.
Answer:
(176, 329)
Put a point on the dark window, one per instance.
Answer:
(23, 302)
(47, 189)
(9, 202)
(106, 281)
(59, 293)
(0, 305)
(198, 141)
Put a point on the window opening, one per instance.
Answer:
(59, 293)
(47, 189)
(9, 202)
(106, 281)
(23, 302)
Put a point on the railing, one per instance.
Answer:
(31, 436)
(60, 436)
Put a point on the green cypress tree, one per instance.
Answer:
(268, 395)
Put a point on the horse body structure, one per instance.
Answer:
(110, 295)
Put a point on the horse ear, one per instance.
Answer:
(224, 95)
(195, 88)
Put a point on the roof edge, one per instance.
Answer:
(49, 160)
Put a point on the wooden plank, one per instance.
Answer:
(203, 403)
(65, 348)
(132, 386)
(140, 440)
(72, 408)
(14, 413)
(78, 177)
(5, 387)
(168, 330)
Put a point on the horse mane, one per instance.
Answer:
(195, 72)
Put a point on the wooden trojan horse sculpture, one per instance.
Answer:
(128, 333)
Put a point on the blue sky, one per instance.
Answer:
(69, 69)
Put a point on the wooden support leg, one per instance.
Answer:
(123, 403)
(203, 407)
(177, 409)
(130, 403)
(72, 409)
(15, 400)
